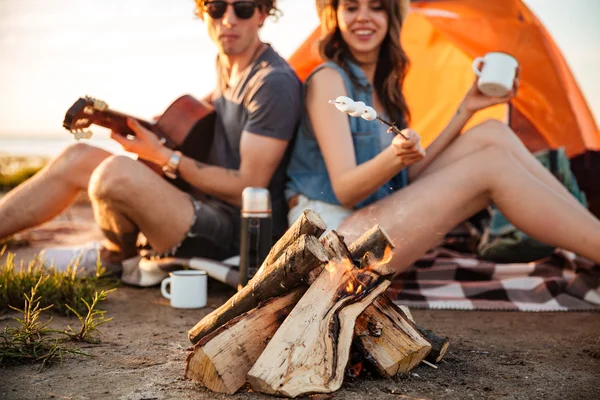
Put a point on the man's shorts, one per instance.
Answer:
(214, 232)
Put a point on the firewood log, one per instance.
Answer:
(388, 340)
(376, 241)
(221, 359)
(301, 257)
(310, 350)
(439, 345)
(382, 333)
(308, 223)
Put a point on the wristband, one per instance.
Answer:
(170, 168)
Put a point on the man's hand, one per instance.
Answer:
(145, 144)
(408, 151)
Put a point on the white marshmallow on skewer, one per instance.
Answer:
(370, 114)
(344, 104)
(359, 110)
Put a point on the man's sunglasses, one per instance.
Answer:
(242, 9)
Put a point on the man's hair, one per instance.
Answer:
(267, 6)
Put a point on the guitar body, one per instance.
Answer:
(186, 125)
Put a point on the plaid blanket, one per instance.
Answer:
(444, 279)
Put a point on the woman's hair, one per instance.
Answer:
(268, 6)
(392, 64)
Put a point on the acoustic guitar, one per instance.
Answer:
(186, 125)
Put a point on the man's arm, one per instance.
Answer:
(274, 108)
(260, 157)
(273, 112)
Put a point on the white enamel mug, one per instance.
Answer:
(187, 289)
(497, 76)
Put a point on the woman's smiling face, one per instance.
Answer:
(363, 25)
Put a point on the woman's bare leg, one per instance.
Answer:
(128, 197)
(496, 133)
(418, 216)
(51, 190)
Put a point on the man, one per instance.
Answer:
(258, 105)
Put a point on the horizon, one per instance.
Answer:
(52, 54)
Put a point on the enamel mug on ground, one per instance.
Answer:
(497, 74)
(187, 289)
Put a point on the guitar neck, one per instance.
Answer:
(116, 121)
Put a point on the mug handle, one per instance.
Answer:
(476, 63)
(163, 287)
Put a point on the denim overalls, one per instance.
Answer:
(307, 172)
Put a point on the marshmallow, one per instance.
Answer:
(344, 104)
(359, 109)
(370, 114)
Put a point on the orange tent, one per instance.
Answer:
(443, 37)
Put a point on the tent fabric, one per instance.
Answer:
(443, 37)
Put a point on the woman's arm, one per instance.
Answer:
(474, 101)
(351, 183)
(450, 132)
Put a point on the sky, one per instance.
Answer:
(140, 55)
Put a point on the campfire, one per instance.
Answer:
(291, 330)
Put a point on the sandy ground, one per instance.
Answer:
(493, 355)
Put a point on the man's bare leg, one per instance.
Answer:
(129, 197)
(418, 216)
(51, 190)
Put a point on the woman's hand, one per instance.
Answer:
(408, 151)
(475, 100)
(145, 143)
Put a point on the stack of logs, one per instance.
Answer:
(289, 331)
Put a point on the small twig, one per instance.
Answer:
(393, 127)
(430, 364)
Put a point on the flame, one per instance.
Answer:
(334, 264)
(386, 258)
(354, 370)
(330, 267)
(359, 289)
(387, 254)
(348, 264)
(350, 287)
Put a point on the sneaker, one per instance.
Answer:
(86, 258)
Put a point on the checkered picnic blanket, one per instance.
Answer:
(445, 279)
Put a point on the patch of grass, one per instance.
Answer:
(91, 321)
(56, 288)
(12, 180)
(32, 341)
(34, 289)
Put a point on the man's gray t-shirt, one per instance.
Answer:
(266, 100)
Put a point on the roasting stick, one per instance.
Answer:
(360, 109)
(429, 364)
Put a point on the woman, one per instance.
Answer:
(355, 175)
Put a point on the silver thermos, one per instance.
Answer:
(256, 235)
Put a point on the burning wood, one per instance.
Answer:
(304, 255)
(309, 352)
(299, 343)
